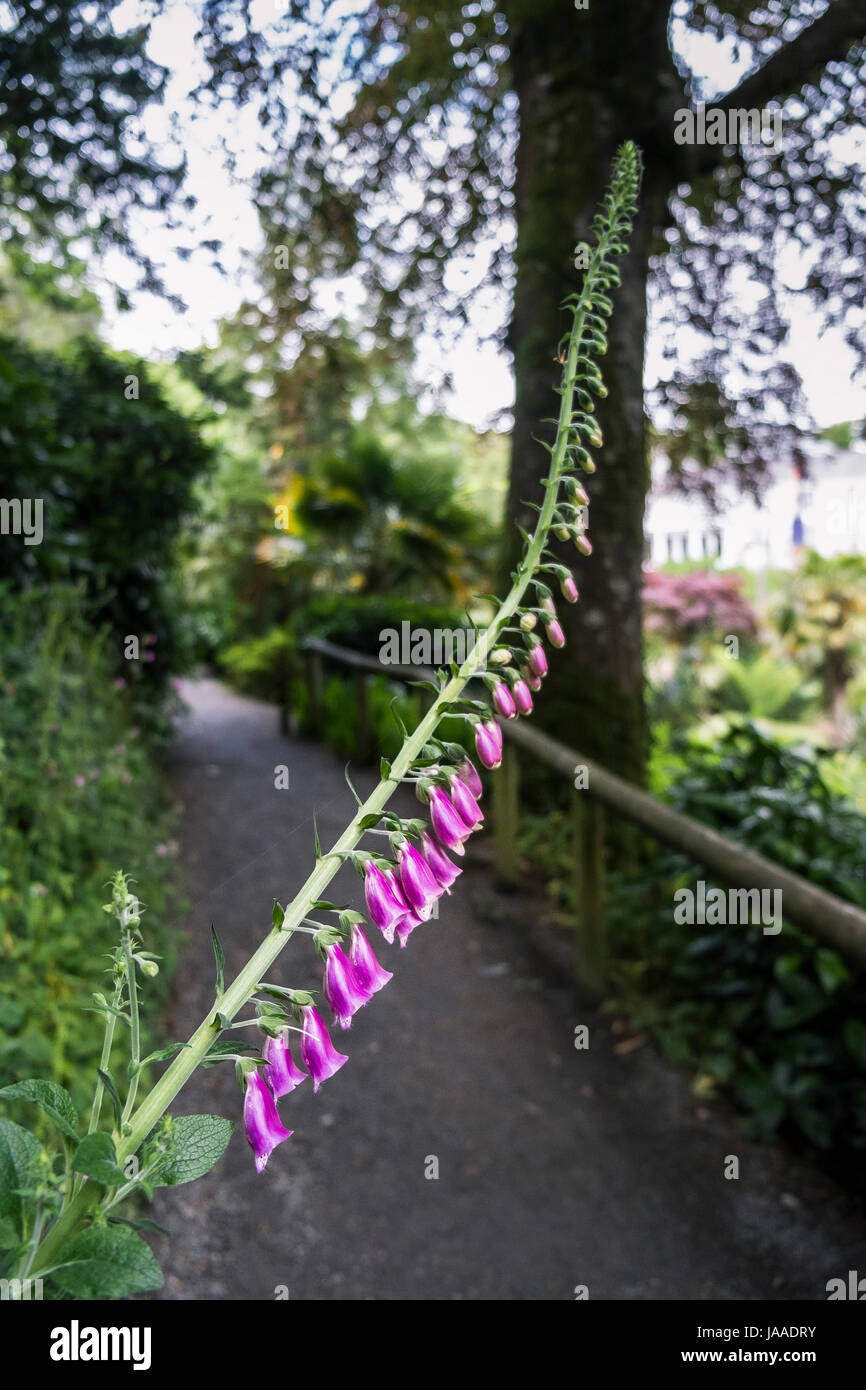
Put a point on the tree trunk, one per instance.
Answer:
(569, 131)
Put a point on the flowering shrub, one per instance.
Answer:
(685, 606)
(59, 1212)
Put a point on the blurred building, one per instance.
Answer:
(822, 508)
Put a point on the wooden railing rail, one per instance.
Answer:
(601, 792)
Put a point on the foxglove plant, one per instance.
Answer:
(58, 1217)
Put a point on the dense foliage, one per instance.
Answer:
(774, 1020)
(90, 433)
(79, 791)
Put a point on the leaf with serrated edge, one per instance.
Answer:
(51, 1098)
(18, 1154)
(197, 1142)
(106, 1262)
(95, 1157)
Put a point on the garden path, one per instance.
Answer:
(556, 1167)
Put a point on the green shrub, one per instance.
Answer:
(765, 688)
(777, 1021)
(262, 666)
(115, 477)
(356, 620)
(79, 795)
(271, 667)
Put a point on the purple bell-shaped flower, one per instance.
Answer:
(465, 804)
(341, 987)
(370, 976)
(443, 869)
(282, 1073)
(449, 825)
(263, 1126)
(420, 888)
(385, 903)
(318, 1053)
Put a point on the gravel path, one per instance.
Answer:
(556, 1167)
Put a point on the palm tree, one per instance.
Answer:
(378, 518)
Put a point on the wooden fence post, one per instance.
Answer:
(506, 785)
(591, 945)
(362, 697)
(314, 689)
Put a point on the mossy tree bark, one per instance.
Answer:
(587, 81)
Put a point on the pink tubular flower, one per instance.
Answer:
(538, 660)
(385, 903)
(533, 681)
(341, 987)
(465, 804)
(282, 1073)
(419, 886)
(407, 925)
(522, 696)
(569, 589)
(444, 870)
(469, 773)
(369, 974)
(450, 827)
(488, 744)
(555, 634)
(263, 1126)
(318, 1053)
(503, 701)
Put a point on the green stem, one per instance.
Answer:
(107, 1042)
(134, 1025)
(34, 1242)
(123, 1192)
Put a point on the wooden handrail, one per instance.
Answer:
(822, 913)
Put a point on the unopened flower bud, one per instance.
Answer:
(528, 622)
(488, 743)
(503, 701)
(569, 589)
(583, 544)
(522, 696)
(538, 660)
(500, 656)
(577, 492)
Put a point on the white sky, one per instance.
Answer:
(482, 374)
